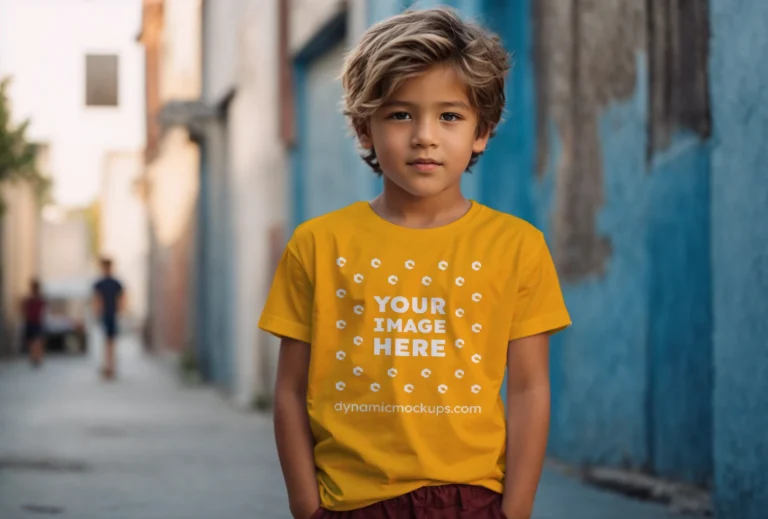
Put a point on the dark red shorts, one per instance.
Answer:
(443, 502)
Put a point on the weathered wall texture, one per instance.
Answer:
(258, 168)
(172, 169)
(173, 177)
(628, 223)
(739, 78)
(590, 50)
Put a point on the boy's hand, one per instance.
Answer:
(293, 435)
(305, 511)
(512, 511)
(528, 405)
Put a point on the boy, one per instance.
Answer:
(108, 301)
(399, 316)
(33, 310)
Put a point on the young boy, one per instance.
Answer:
(398, 317)
(33, 310)
(108, 300)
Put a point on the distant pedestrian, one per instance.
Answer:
(32, 311)
(108, 302)
(399, 317)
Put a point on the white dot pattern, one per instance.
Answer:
(426, 281)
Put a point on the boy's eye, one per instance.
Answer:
(399, 116)
(450, 117)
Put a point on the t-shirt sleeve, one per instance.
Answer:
(539, 306)
(288, 310)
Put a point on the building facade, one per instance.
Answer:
(171, 36)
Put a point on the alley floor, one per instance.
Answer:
(148, 447)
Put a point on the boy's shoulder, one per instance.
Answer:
(509, 222)
(340, 220)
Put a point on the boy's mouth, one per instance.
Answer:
(425, 164)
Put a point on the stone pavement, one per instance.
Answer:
(146, 447)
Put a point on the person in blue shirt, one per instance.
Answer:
(108, 302)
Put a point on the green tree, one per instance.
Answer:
(17, 155)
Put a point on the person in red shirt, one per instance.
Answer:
(32, 310)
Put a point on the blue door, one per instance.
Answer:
(327, 171)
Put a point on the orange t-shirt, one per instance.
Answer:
(409, 331)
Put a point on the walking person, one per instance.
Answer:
(108, 303)
(33, 311)
(400, 316)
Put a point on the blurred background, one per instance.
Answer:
(185, 140)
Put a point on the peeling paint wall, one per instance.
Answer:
(589, 59)
(622, 191)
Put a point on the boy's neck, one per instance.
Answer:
(404, 209)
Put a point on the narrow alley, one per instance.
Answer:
(146, 446)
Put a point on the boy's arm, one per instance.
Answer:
(96, 303)
(528, 407)
(122, 302)
(295, 444)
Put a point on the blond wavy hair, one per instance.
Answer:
(406, 45)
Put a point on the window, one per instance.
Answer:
(101, 80)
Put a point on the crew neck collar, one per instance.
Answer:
(384, 227)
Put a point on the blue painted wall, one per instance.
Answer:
(599, 366)
(632, 379)
(739, 81)
(216, 261)
(327, 172)
(202, 262)
(505, 173)
(680, 370)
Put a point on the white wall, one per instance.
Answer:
(221, 34)
(65, 252)
(180, 73)
(19, 228)
(124, 236)
(258, 175)
(43, 44)
(174, 172)
(307, 17)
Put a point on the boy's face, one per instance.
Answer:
(425, 133)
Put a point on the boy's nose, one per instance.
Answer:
(424, 135)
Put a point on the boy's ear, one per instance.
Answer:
(364, 136)
(481, 141)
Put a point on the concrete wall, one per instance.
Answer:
(629, 230)
(738, 66)
(67, 245)
(218, 252)
(258, 185)
(173, 176)
(19, 258)
(180, 75)
(65, 31)
(221, 19)
(172, 198)
(307, 19)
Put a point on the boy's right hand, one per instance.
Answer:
(295, 444)
(306, 512)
